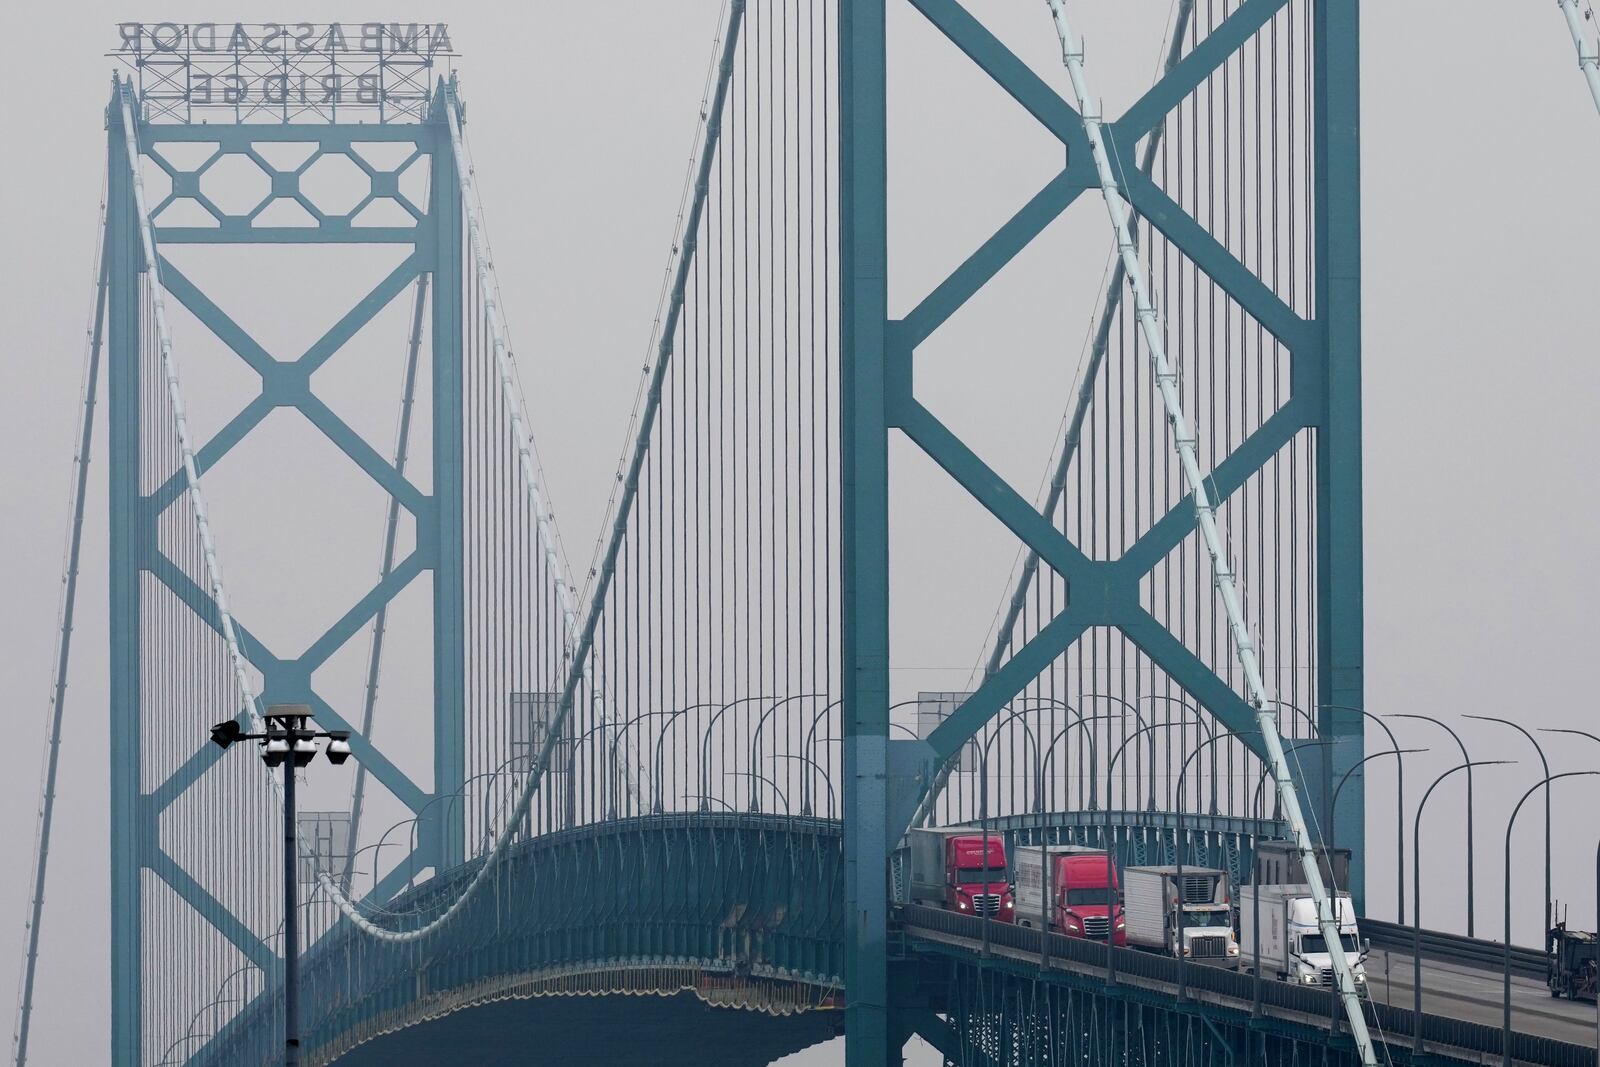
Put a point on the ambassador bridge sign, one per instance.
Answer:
(284, 71)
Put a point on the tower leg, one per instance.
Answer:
(1340, 575)
(864, 523)
(124, 266)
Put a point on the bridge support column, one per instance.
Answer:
(864, 525)
(1340, 569)
(127, 542)
(446, 835)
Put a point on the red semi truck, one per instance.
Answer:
(1087, 900)
(961, 869)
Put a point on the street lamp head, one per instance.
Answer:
(305, 750)
(224, 734)
(275, 751)
(338, 746)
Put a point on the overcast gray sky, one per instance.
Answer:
(1481, 152)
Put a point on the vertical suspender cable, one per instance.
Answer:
(380, 620)
(69, 591)
(548, 543)
(1091, 373)
(1588, 54)
(577, 672)
(1205, 513)
(191, 470)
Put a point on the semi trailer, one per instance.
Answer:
(1184, 912)
(1292, 946)
(1574, 963)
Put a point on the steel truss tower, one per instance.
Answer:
(138, 565)
(883, 777)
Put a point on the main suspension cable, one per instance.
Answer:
(93, 336)
(1588, 53)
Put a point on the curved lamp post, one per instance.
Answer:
(1596, 739)
(1548, 778)
(1399, 811)
(1110, 846)
(826, 780)
(755, 736)
(983, 798)
(1088, 736)
(1144, 727)
(1416, 896)
(1400, 799)
(1261, 813)
(1505, 1027)
(621, 734)
(661, 737)
(711, 728)
(1178, 850)
(1468, 764)
(1200, 721)
(1047, 702)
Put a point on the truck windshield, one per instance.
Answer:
(1101, 895)
(980, 874)
(1316, 943)
(1192, 919)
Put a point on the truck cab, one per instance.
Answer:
(960, 869)
(1292, 942)
(1184, 912)
(1086, 896)
(977, 879)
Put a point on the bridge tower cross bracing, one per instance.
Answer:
(138, 563)
(884, 776)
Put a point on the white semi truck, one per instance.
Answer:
(1157, 901)
(1292, 945)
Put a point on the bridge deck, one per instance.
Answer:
(1461, 1013)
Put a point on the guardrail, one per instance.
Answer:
(1457, 948)
(1395, 1025)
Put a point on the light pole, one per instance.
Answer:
(661, 737)
(1345, 777)
(1400, 801)
(1183, 962)
(1546, 765)
(1088, 737)
(808, 762)
(1110, 847)
(755, 736)
(705, 738)
(289, 742)
(1261, 813)
(1505, 1022)
(1399, 811)
(1416, 894)
(1048, 702)
(1468, 764)
(1144, 728)
(1211, 737)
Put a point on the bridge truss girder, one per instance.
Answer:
(883, 777)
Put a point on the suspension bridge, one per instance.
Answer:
(652, 803)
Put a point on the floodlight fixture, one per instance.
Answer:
(224, 734)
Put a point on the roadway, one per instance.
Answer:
(1474, 994)
(1450, 990)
